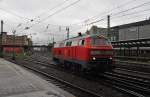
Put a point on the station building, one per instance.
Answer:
(131, 31)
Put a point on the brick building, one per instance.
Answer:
(19, 40)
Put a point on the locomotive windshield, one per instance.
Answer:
(96, 41)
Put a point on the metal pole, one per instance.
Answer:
(2, 23)
(108, 26)
(138, 32)
(1, 48)
(67, 29)
(53, 40)
(13, 57)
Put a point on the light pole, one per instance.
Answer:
(1, 47)
(108, 27)
(13, 57)
(67, 29)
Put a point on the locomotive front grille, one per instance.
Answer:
(98, 52)
(101, 60)
(101, 63)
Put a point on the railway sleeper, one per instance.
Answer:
(131, 86)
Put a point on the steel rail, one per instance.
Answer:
(63, 81)
(117, 87)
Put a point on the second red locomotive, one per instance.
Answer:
(90, 52)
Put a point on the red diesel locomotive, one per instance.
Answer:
(85, 53)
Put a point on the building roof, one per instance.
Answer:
(139, 23)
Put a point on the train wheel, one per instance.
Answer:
(74, 67)
(78, 67)
(66, 65)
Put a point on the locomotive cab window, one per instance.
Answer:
(68, 43)
(96, 41)
(81, 42)
(74, 43)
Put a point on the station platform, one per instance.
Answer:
(15, 81)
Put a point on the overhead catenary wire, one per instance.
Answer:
(129, 9)
(136, 12)
(104, 17)
(118, 13)
(135, 7)
(57, 6)
(132, 8)
(89, 23)
(106, 13)
(60, 10)
(116, 8)
(113, 16)
(56, 12)
(133, 17)
(31, 20)
(117, 17)
(14, 14)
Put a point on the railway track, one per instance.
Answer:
(133, 66)
(131, 72)
(135, 82)
(62, 83)
(90, 93)
(136, 86)
(133, 85)
(88, 90)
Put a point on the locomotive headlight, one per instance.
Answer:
(110, 58)
(94, 58)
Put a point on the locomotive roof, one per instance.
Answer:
(77, 37)
(84, 36)
(80, 37)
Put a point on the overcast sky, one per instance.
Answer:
(48, 18)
